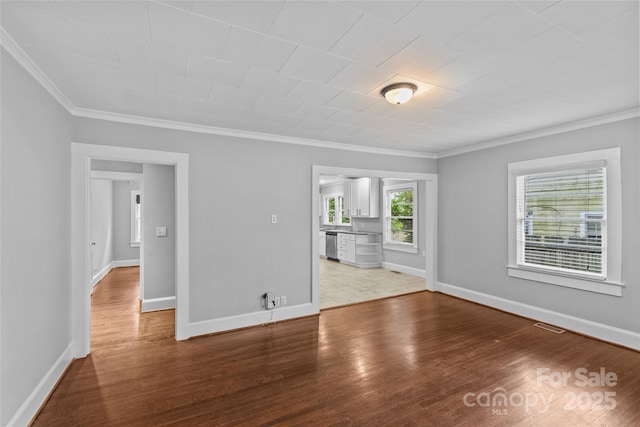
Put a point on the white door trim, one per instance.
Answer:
(429, 206)
(81, 155)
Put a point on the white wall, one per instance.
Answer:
(158, 210)
(235, 185)
(35, 305)
(101, 228)
(122, 250)
(472, 226)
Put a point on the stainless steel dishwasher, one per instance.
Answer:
(332, 245)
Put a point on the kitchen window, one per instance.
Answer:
(333, 209)
(565, 221)
(136, 218)
(401, 217)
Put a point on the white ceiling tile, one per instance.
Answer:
(157, 57)
(181, 87)
(58, 65)
(210, 109)
(318, 24)
(313, 92)
(46, 8)
(266, 82)
(489, 83)
(281, 121)
(389, 11)
(338, 130)
(372, 41)
(216, 70)
(313, 111)
(125, 76)
(420, 58)
(179, 4)
(246, 114)
(185, 30)
(257, 50)
(442, 21)
(315, 126)
(456, 73)
(344, 117)
(125, 18)
(503, 30)
(59, 35)
(541, 48)
(436, 97)
(617, 30)
(577, 16)
(276, 104)
(351, 101)
(360, 78)
(537, 6)
(253, 15)
(625, 52)
(309, 64)
(229, 95)
(157, 105)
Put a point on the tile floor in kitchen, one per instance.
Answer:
(342, 284)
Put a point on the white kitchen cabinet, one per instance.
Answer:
(361, 250)
(347, 247)
(346, 199)
(365, 198)
(322, 244)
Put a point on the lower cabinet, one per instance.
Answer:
(361, 250)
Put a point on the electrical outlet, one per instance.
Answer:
(277, 301)
(283, 300)
(269, 300)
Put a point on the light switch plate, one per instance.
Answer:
(161, 231)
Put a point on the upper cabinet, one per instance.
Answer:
(365, 198)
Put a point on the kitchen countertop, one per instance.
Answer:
(349, 231)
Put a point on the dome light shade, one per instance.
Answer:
(398, 93)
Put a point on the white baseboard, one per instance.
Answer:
(155, 304)
(250, 319)
(30, 407)
(404, 269)
(600, 331)
(126, 263)
(100, 275)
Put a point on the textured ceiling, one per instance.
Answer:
(314, 69)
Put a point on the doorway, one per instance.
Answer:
(81, 156)
(427, 205)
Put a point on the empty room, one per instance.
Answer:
(319, 213)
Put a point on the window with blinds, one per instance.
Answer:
(561, 220)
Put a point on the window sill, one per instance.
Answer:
(400, 247)
(606, 287)
(135, 244)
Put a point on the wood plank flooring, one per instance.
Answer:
(413, 360)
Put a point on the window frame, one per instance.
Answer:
(394, 245)
(340, 210)
(610, 281)
(134, 219)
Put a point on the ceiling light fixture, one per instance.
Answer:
(399, 93)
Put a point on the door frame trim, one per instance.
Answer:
(81, 155)
(429, 206)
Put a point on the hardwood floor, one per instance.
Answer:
(410, 360)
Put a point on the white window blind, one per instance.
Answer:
(562, 222)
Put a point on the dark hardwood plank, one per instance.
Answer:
(408, 360)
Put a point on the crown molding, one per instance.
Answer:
(567, 127)
(14, 49)
(236, 133)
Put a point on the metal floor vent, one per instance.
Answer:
(549, 328)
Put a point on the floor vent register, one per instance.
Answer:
(549, 328)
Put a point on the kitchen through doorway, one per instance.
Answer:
(374, 237)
